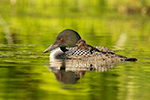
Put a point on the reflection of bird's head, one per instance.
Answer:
(66, 77)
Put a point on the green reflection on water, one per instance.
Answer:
(33, 26)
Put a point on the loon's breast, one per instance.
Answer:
(57, 53)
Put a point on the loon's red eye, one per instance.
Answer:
(60, 39)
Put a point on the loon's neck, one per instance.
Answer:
(57, 53)
(63, 49)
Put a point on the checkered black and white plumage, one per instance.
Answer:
(104, 54)
(81, 52)
(77, 52)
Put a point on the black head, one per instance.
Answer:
(66, 38)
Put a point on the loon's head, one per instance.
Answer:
(66, 38)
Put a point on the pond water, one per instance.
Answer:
(27, 74)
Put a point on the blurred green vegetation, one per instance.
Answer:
(25, 21)
(60, 8)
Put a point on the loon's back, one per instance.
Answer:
(104, 54)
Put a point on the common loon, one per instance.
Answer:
(64, 47)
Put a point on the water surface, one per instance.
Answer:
(28, 74)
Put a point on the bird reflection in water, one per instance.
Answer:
(69, 71)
